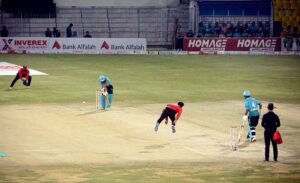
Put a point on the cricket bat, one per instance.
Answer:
(241, 132)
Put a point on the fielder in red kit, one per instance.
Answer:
(171, 111)
(22, 74)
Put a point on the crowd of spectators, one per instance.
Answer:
(230, 30)
(291, 38)
(69, 32)
(54, 33)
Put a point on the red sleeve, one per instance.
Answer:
(20, 73)
(27, 74)
(179, 113)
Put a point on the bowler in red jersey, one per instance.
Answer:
(173, 112)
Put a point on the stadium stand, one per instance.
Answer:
(231, 18)
(154, 23)
(160, 23)
(287, 12)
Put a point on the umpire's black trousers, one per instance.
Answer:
(269, 138)
(167, 113)
(24, 82)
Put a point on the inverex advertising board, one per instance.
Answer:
(73, 45)
(232, 44)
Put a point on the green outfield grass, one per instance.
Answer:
(155, 79)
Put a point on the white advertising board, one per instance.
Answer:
(74, 45)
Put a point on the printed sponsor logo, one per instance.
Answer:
(218, 44)
(121, 47)
(256, 43)
(24, 44)
(78, 47)
(232, 44)
(7, 43)
(56, 45)
(104, 46)
(30, 42)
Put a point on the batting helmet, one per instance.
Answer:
(102, 78)
(246, 93)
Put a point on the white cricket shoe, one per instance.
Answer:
(173, 129)
(253, 139)
(156, 127)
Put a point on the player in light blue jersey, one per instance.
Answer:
(251, 114)
(107, 91)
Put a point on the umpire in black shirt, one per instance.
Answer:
(270, 122)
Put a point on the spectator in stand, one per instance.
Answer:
(297, 38)
(87, 34)
(56, 32)
(244, 33)
(190, 34)
(217, 29)
(201, 31)
(246, 28)
(69, 30)
(48, 32)
(240, 28)
(4, 31)
(74, 34)
(267, 29)
(260, 31)
(253, 29)
(208, 30)
(288, 39)
(230, 30)
(223, 30)
(236, 33)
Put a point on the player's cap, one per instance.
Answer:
(181, 104)
(246, 93)
(271, 106)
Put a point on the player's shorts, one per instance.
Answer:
(253, 120)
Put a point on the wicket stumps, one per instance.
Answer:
(234, 138)
(98, 99)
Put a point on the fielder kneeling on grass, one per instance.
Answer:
(22, 74)
(253, 108)
(173, 112)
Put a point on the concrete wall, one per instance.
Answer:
(116, 3)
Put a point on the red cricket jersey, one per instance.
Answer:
(23, 73)
(176, 108)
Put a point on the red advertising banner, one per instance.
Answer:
(232, 44)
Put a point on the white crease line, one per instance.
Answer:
(193, 150)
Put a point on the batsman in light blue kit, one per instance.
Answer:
(251, 114)
(107, 92)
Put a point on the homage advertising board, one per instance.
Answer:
(232, 44)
